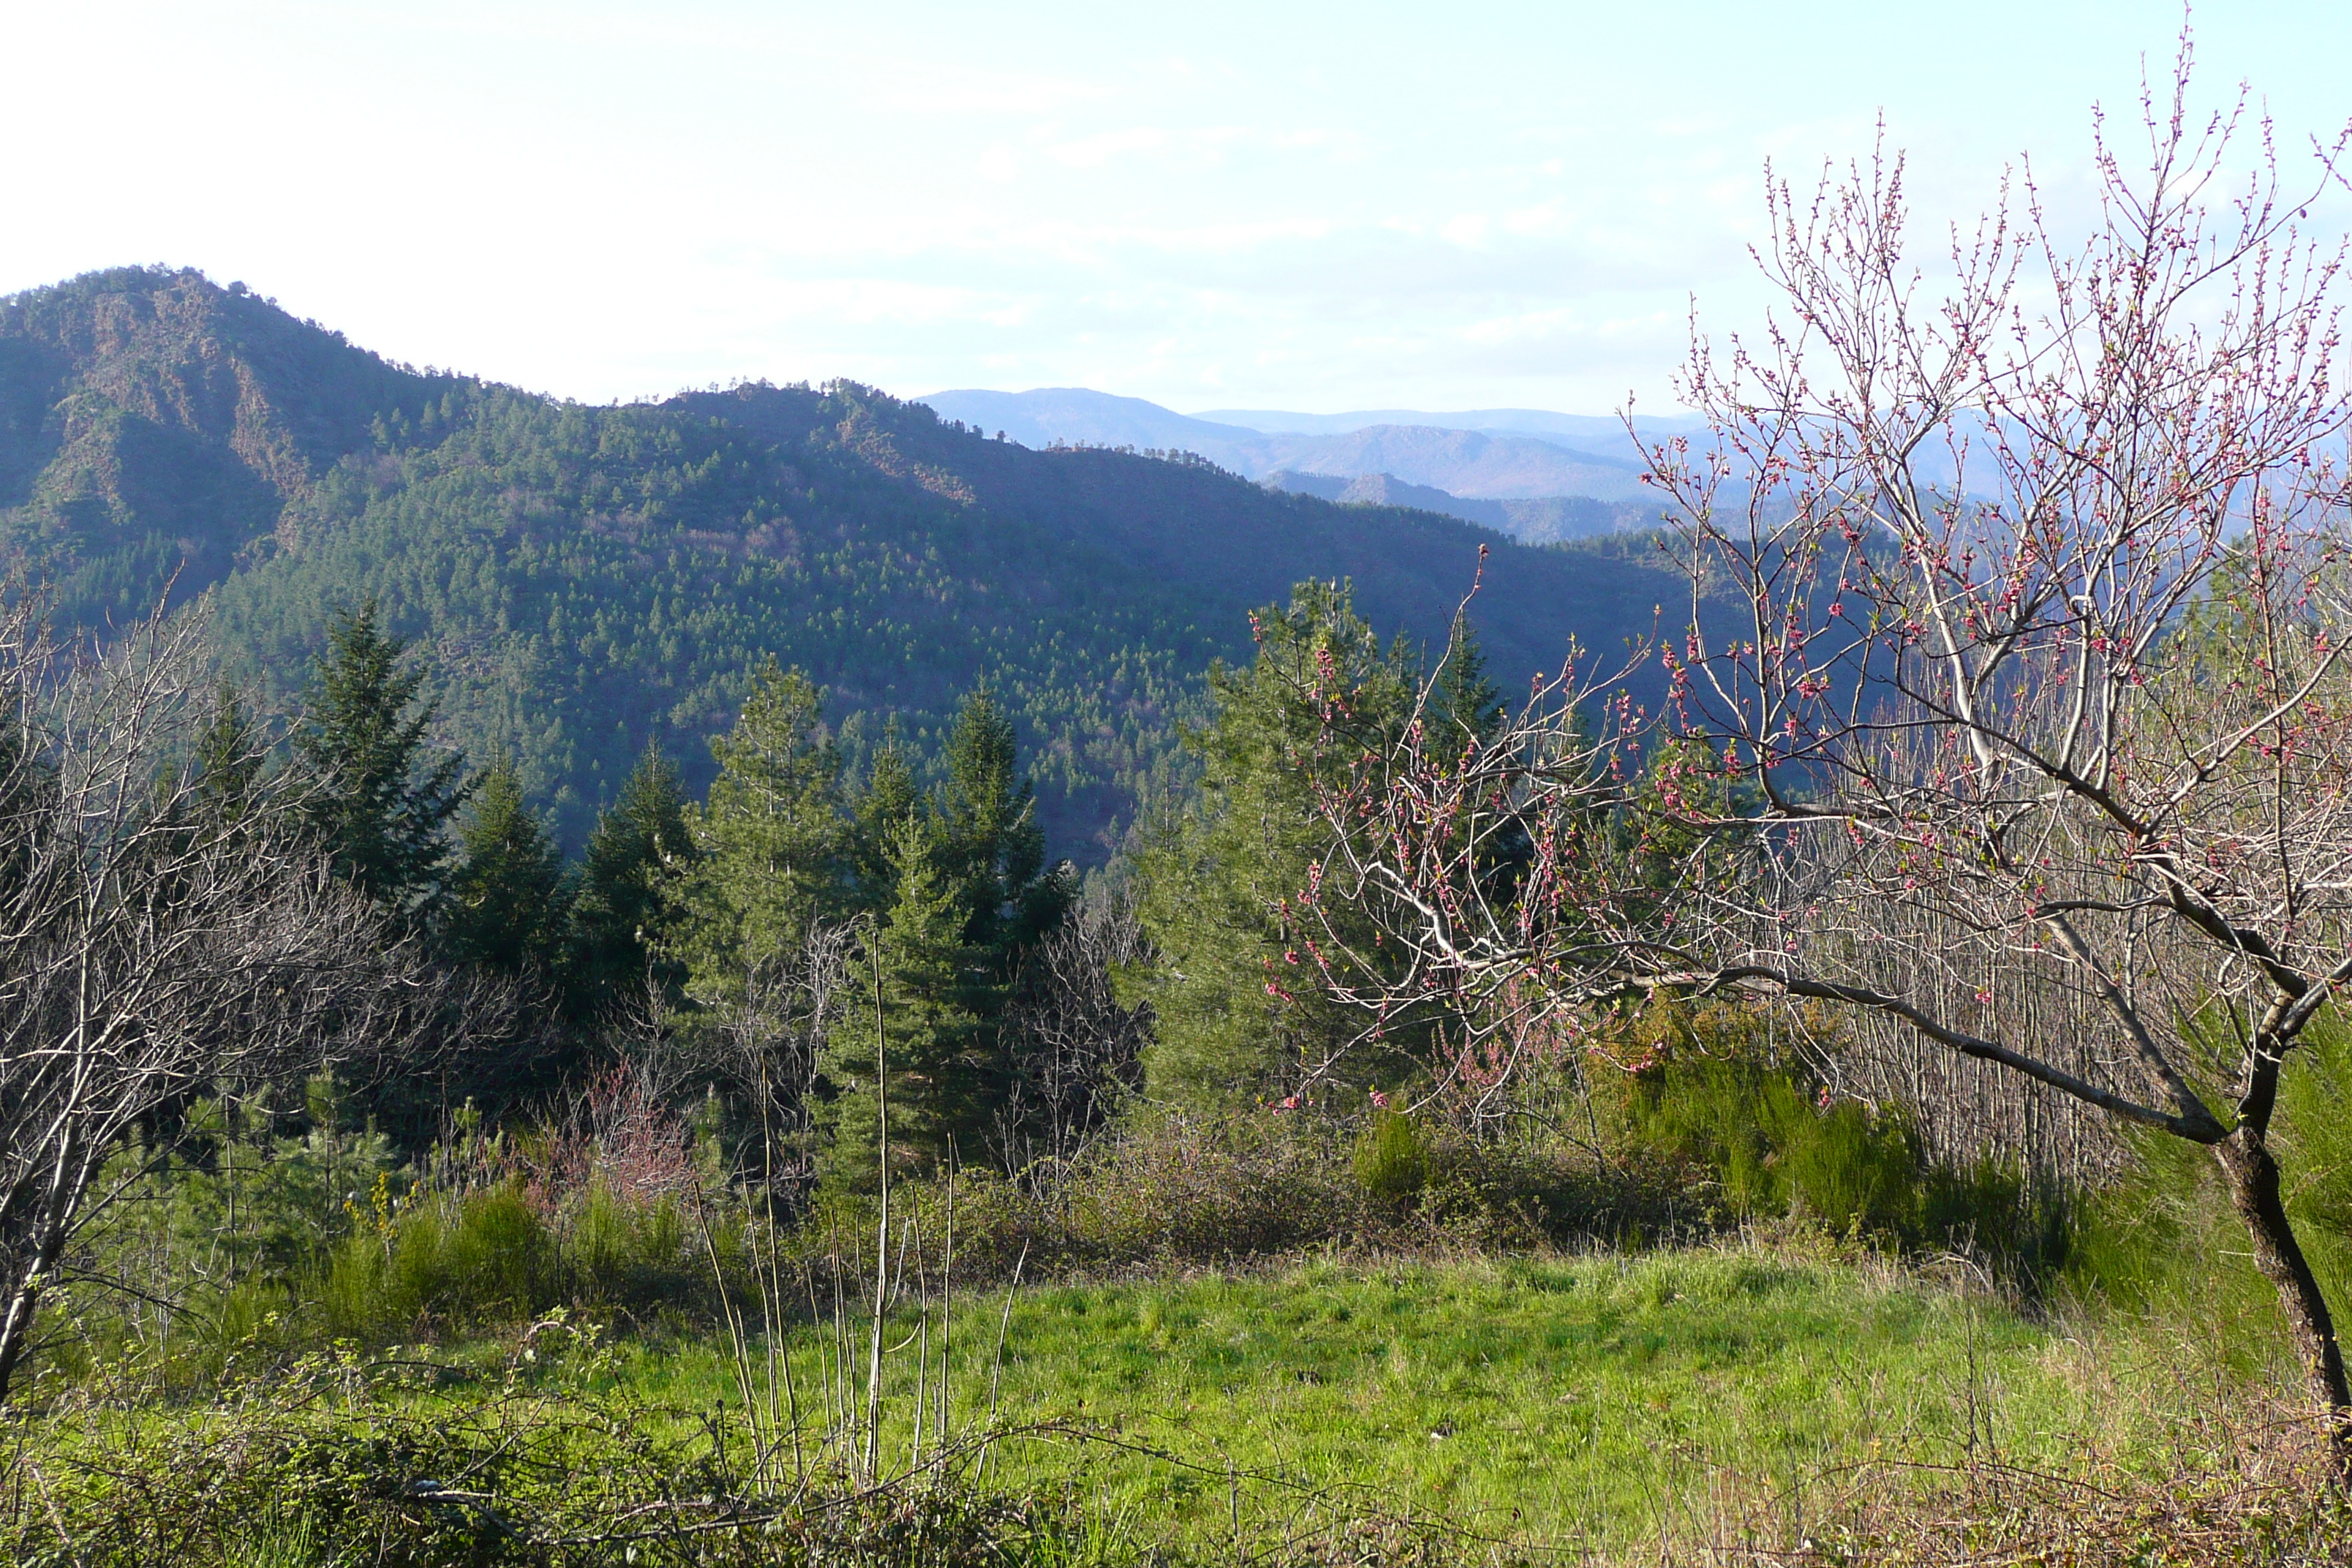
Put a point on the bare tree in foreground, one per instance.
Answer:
(766, 1042)
(2018, 616)
(1073, 1050)
(163, 931)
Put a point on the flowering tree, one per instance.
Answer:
(2014, 665)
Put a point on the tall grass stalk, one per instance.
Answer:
(853, 1404)
(882, 1235)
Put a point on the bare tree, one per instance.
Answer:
(164, 932)
(2014, 667)
(1074, 1050)
(762, 1040)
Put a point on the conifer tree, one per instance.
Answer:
(381, 801)
(509, 892)
(1240, 1009)
(989, 842)
(937, 1038)
(887, 803)
(775, 851)
(229, 753)
(1463, 696)
(632, 882)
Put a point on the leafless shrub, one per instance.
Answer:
(760, 1044)
(1074, 1051)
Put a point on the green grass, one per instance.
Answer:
(1581, 1400)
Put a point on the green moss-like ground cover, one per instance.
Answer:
(1582, 1400)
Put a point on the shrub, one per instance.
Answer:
(1170, 1188)
(1776, 1146)
(1391, 1160)
(451, 1263)
(334, 1461)
(633, 1255)
(1777, 1150)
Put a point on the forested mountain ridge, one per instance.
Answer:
(586, 581)
(151, 422)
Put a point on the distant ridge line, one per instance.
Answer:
(1464, 463)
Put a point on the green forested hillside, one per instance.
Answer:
(153, 423)
(587, 580)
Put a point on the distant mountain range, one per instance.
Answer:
(582, 580)
(1545, 520)
(1583, 432)
(1503, 454)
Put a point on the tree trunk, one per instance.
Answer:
(37, 1264)
(2253, 1177)
(15, 1322)
(24, 1303)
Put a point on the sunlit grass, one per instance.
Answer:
(1578, 1400)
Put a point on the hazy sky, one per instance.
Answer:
(1270, 205)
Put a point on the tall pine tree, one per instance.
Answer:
(775, 850)
(625, 918)
(936, 1036)
(1240, 1011)
(990, 843)
(887, 803)
(381, 800)
(1461, 696)
(508, 895)
(230, 753)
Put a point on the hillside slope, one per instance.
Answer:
(153, 423)
(588, 580)
(1540, 520)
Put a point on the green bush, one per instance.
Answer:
(634, 1254)
(453, 1262)
(334, 1461)
(1776, 1150)
(1391, 1159)
(1990, 1209)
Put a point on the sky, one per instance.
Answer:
(1266, 206)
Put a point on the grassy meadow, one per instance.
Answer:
(1561, 1402)
(1216, 1342)
(1743, 1402)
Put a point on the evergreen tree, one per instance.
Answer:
(509, 893)
(1463, 696)
(775, 850)
(990, 843)
(380, 802)
(886, 804)
(937, 1037)
(632, 882)
(1240, 1012)
(229, 753)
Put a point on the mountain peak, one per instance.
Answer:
(148, 414)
